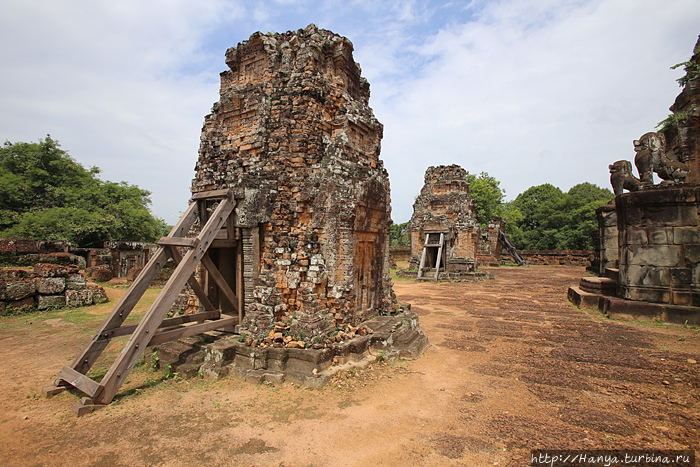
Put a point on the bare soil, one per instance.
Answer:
(512, 367)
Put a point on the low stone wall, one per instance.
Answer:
(400, 253)
(46, 286)
(569, 257)
(28, 252)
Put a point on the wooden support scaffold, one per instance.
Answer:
(217, 231)
(432, 242)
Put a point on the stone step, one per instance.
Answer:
(632, 309)
(613, 273)
(599, 285)
(583, 299)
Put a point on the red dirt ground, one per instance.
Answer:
(512, 367)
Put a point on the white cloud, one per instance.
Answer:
(535, 92)
(114, 83)
(531, 91)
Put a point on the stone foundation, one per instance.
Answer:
(215, 356)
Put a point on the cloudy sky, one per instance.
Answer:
(530, 91)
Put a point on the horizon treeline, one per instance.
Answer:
(543, 217)
(46, 195)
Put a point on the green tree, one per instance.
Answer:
(553, 220)
(399, 235)
(486, 191)
(46, 195)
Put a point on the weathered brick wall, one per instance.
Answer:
(490, 245)
(682, 140)
(547, 257)
(18, 246)
(294, 135)
(444, 205)
(400, 253)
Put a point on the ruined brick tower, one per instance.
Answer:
(294, 136)
(445, 206)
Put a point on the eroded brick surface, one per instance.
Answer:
(444, 205)
(294, 135)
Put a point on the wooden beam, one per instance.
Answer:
(422, 258)
(213, 194)
(220, 281)
(85, 406)
(239, 276)
(218, 243)
(92, 351)
(126, 330)
(192, 281)
(84, 361)
(178, 241)
(141, 337)
(192, 330)
(439, 257)
(80, 381)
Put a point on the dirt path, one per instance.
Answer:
(512, 367)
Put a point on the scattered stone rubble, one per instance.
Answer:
(46, 286)
(649, 250)
(384, 338)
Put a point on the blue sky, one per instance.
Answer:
(530, 91)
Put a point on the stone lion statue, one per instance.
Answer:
(651, 157)
(621, 177)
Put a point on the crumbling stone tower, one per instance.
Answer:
(294, 136)
(445, 206)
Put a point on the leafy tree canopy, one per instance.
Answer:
(553, 220)
(46, 195)
(486, 191)
(399, 235)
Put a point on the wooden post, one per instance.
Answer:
(141, 337)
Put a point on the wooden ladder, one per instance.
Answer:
(441, 253)
(154, 328)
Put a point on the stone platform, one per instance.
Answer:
(216, 355)
(450, 276)
(620, 308)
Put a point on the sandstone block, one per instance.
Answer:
(656, 255)
(98, 294)
(44, 302)
(651, 276)
(78, 298)
(692, 254)
(634, 236)
(52, 270)
(686, 235)
(13, 274)
(19, 305)
(18, 290)
(660, 235)
(75, 282)
(683, 298)
(99, 274)
(50, 285)
(645, 294)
